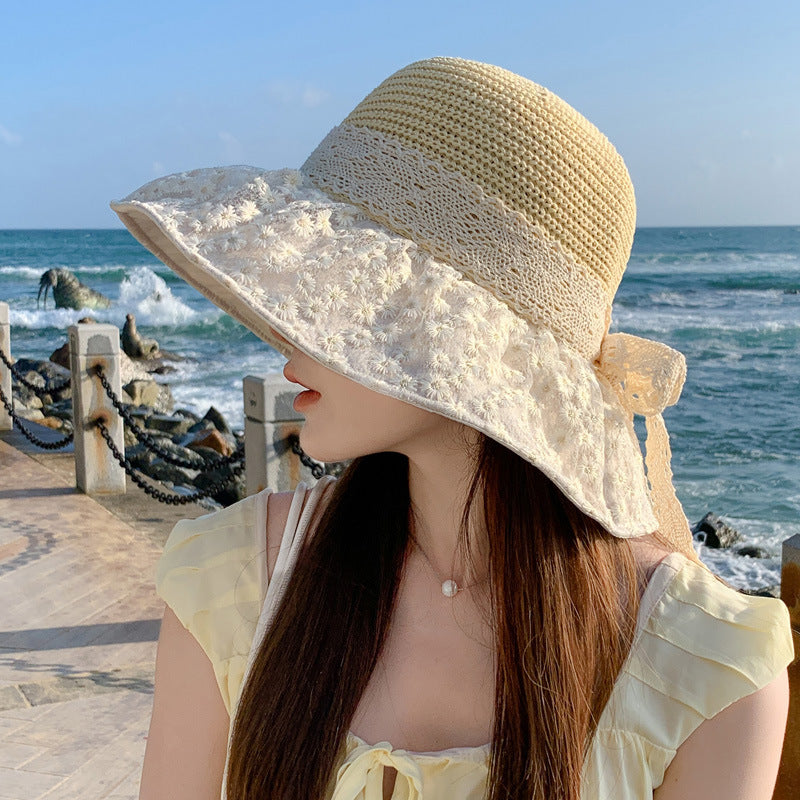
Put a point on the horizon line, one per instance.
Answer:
(638, 227)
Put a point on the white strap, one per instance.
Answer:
(291, 541)
(659, 582)
(284, 563)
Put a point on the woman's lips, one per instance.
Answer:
(305, 399)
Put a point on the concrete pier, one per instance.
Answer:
(269, 419)
(96, 469)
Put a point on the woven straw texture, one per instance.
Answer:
(521, 144)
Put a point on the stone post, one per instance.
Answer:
(788, 785)
(269, 420)
(6, 422)
(96, 469)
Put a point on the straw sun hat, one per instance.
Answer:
(455, 243)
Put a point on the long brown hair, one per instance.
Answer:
(564, 598)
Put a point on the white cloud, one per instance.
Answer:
(293, 93)
(9, 138)
(158, 169)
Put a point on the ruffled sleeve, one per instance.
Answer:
(702, 647)
(212, 574)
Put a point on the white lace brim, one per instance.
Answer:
(273, 251)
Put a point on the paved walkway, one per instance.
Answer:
(79, 622)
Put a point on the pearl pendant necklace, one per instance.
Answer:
(449, 588)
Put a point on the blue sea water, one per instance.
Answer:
(728, 298)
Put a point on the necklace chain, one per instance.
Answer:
(450, 587)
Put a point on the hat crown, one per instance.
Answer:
(497, 177)
(521, 144)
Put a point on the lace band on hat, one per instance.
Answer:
(455, 221)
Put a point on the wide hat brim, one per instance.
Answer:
(273, 251)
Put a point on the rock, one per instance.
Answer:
(201, 425)
(57, 410)
(141, 415)
(32, 414)
(765, 591)
(139, 456)
(146, 392)
(167, 424)
(231, 493)
(44, 374)
(713, 532)
(25, 397)
(162, 369)
(165, 402)
(752, 551)
(61, 394)
(54, 423)
(62, 405)
(162, 471)
(35, 379)
(143, 392)
(129, 437)
(212, 440)
(131, 370)
(207, 453)
(216, 418)
(195, 459)
(185, 412)
(61, 356)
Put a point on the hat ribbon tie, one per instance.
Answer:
(648, 377)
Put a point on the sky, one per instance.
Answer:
(702, 99)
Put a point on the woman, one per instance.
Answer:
(494, 599)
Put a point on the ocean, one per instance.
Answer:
(728, 298)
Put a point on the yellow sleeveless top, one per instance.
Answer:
(699, 646)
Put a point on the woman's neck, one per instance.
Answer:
(438, 480)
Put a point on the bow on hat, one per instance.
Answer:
(648, 377)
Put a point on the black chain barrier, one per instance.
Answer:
(31, 437)
(148, 441)
(38, 390)
(149, 489)
(317, 469)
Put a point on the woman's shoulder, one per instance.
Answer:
(708, 619)
(214, 572)
(700, 646)
(210, 574)
(248, 532)
(279, 508)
